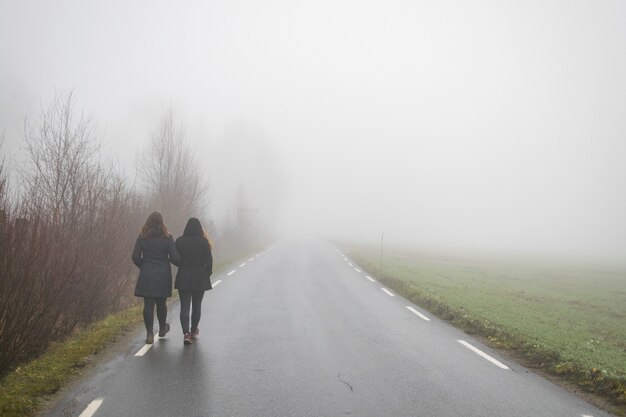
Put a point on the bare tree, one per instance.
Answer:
(171, 172)
(61, 153)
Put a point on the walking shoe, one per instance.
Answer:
(163, 331)
(187, 339)
(150, 339)
(195, 334)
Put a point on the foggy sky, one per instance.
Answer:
(462, 124)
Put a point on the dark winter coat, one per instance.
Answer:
(153, 256)
(196, 264)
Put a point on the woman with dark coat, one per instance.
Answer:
(154, 250)
(194, 275)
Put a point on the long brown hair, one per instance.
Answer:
(194, 228)
(154, 226)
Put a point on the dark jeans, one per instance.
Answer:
(148, 312)
(194, 299)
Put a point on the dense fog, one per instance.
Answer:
(448, 125)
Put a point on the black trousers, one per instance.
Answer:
(193, 299)
(148, 312)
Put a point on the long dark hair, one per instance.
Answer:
(154, 226)
(194, 228)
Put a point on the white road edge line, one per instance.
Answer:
(92, 407)
(216, 283)
(411, 309)
(370, 278)
(350, 264)
(231, 272)
(388, 292)
(483, 354)
(357, 269)
(586, 415)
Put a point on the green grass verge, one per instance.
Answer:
(569, 322)
(23, 390)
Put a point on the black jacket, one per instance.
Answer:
(153, 256)
(196, 264)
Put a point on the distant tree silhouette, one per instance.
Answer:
(171, 172)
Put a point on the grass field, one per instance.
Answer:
(568, 320)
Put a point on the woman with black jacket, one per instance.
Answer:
(194, 276)
(154, 250)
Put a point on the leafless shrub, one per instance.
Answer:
(66, 243)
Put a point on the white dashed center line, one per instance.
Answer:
(144, 349)
(251, 259)
(231, 272)
(388, 292)
(411, 309)
(242, 265)
(483, 354)
(92, 407)
(147, 347)
(357, 269)
(350, 264)
(370, 278)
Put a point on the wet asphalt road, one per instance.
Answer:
(299, 331)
